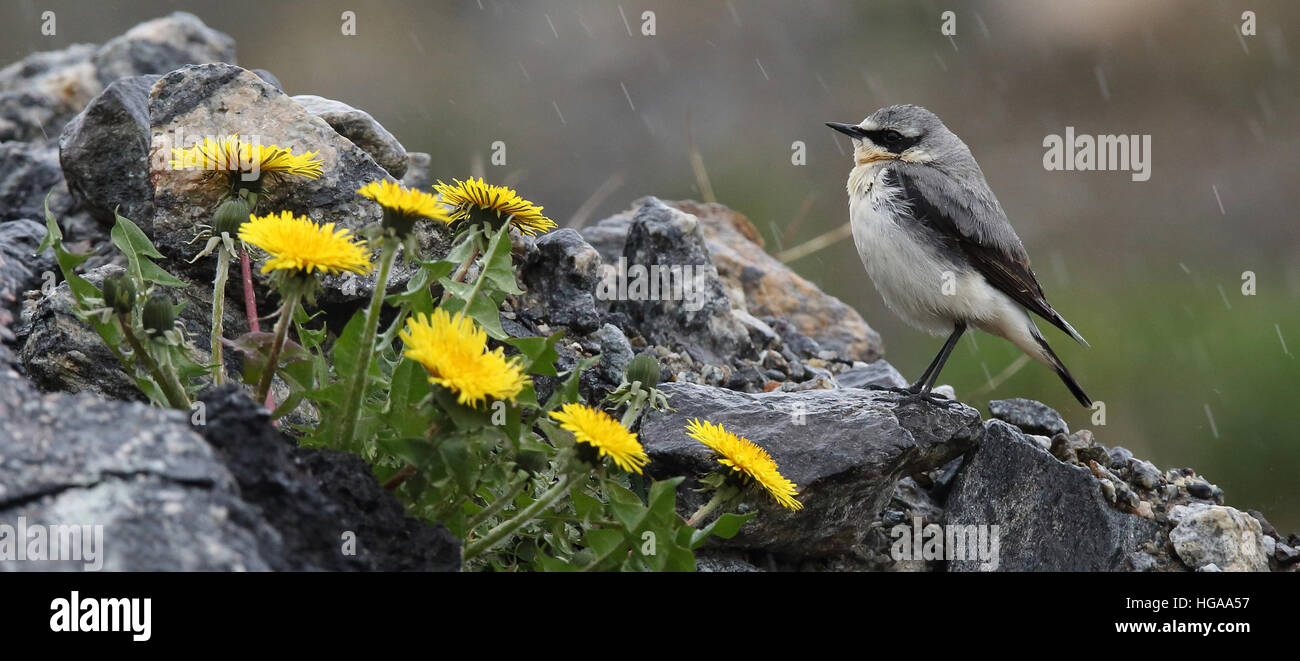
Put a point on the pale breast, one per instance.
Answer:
(915, 280)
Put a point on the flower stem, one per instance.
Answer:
(356, 390)
(172, 389)
(281, 331)
(720, 496)
(496, 505)
(503, 529)
(218, 312)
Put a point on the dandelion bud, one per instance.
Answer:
(643, 368)
(232, 213)
(119, 293)
(159, 315)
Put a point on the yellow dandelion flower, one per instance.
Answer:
(750, 461)
(454, 352)
(606, 435)
(403, 206)
(473, 195)
(234, 156)
(299, 243)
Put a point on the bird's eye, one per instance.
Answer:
(891, 136)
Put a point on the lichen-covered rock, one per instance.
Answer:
(162, 45)
(221, 100)
(754, 280)
(362, 129)
(1051, 515)
(1222, 536)
(104, 152)
(845, 449)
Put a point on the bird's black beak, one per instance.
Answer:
(851, 130)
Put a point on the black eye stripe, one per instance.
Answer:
(896, 147)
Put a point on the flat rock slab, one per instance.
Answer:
(845, 449)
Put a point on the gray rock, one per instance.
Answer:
(41, 92)
(845, 449)
(1213, 534)
(723, 563)
(879, 373)
(700, 321)
(19, 270)
(560, 277)
(362, 129)
(168, 502)
(1030, 416)
(63, 353)
(162, 45)
(1051, 515)
(419, 171)
(1145, 474)
(104, 152)
(27, 173)
(615, 353)
(221, 100)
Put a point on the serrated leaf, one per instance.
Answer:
(538, 352)
(139, 252)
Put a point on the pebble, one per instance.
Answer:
(1199, 489)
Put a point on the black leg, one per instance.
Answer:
(932, 374)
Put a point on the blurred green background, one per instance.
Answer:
(594, 114)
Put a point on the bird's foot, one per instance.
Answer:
(913, 389)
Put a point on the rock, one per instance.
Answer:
(845, 449)
(313, 496)
(1030, 416)
(221, 100)
(362, 129)
(879, 373)
(723, 563)
(27, 173)
(1213, 534)
(419, 171)
(560, 277)
(168, 502)
(63, 353)
(162, 45)
(755, 281)
(1285, 554)
(694, 316)
(1051, 515)
(41, 92)
(19, 270)
(1145, 474)
(1200, 489)
(104, 152)
(615, 354)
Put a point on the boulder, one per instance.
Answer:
(362, 129)
(162, 45)
(104, 152)
(755, 281)
(1227, 538)
(1051, 515)
(845, 449)
(41, 92)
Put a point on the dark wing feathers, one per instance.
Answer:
(982, 234)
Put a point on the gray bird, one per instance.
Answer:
(936, 242)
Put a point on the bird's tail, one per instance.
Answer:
(1064, 373)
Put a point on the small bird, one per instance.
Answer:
(936, 242)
